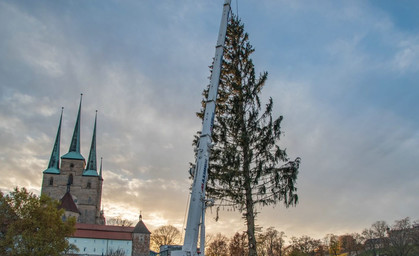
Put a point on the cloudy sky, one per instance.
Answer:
(344, 74)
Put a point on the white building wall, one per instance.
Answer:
(90, 246)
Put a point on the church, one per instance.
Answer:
(78, 188)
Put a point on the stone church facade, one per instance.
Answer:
(78, 187)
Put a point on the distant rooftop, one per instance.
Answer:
(103, 231)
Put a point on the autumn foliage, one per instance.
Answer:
(32, 225)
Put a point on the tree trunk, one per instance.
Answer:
(250, 220)
(250, 214)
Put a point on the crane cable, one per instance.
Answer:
(237, 8)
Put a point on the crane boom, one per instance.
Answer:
(197, 203)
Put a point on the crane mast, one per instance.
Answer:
(197, 204)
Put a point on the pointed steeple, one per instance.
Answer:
(91, 168)
(100, 172)
(74, 151)
(54, 161)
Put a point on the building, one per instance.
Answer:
(166, 250)
(73, 180)
(78, 187)
(93, 239)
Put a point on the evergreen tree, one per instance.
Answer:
(247, 167)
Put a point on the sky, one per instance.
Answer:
(344, 74)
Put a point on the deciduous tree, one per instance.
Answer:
(359, 243)
(32, 225)
(119, 221)
(400, 238)
(238, 245)
(347, 243)
(306, 245)
(164, 235)
(218, 247)
(376, 237)
(271, 242)
(415, 236)
(117, 252)
(333, 244)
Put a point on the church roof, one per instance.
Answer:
(52, 170)
(74, 150)
(103, 231)
(91, 168)
(90, 173)
(67, 203)
(141, 228)
(73, 155)
(54, 161)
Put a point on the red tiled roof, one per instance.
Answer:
(68, 204)
(103, 232)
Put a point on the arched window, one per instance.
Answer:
(51, 181)
(70, 179)
(89, 184)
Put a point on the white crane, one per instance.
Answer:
(196, 213)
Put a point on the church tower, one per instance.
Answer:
(140, 239)
(77, 186)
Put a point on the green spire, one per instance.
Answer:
(91, 168)
(54, 161)
(74, 151)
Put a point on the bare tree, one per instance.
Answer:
(119, 221)
(415, 236)
(218, 247)
(376, 237)
(347, 243)
(359, 239)
(238, 244)
(400, 238)
(117, 252)
(208, 240)
(271, 242)
(305, 245)
(164, 235)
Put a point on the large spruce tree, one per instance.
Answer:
(247, 167)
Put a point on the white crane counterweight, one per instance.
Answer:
(197, 203)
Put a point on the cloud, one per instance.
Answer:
(353, 166)
(342, 74)
(407, 57)
(157, 199)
